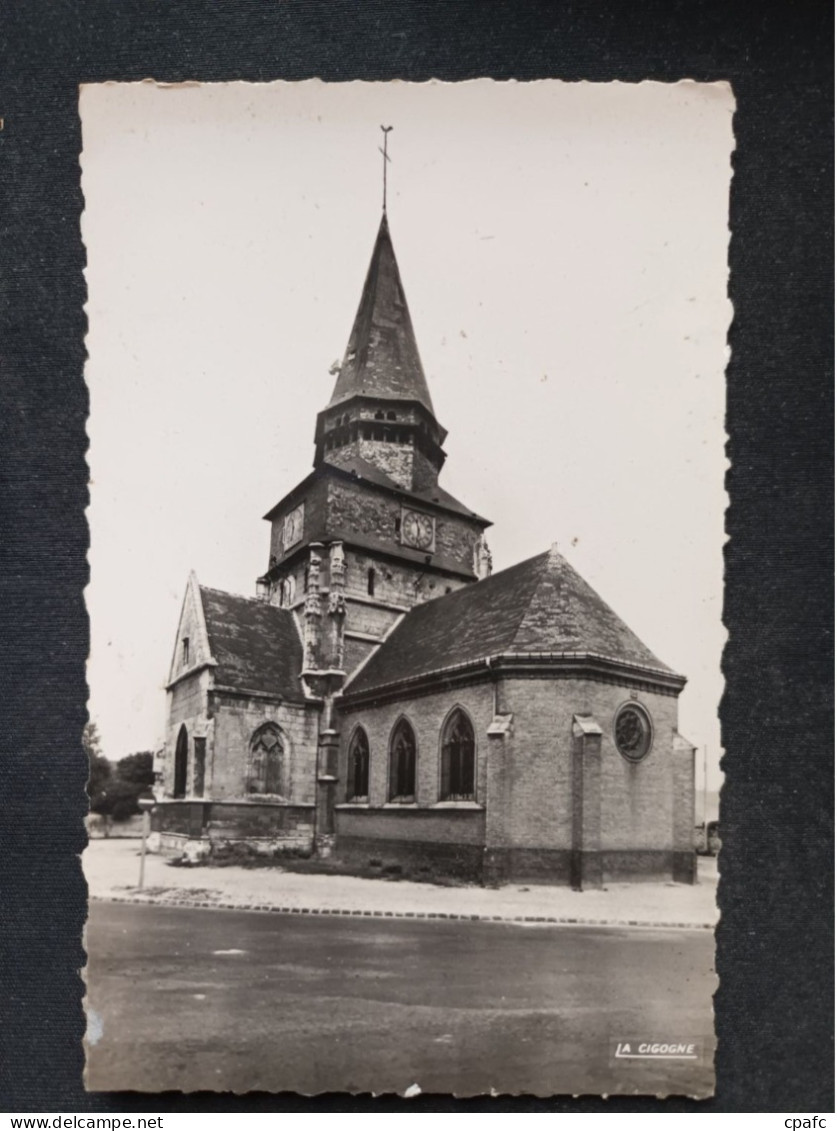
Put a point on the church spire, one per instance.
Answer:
(382, 358)
(380, 416)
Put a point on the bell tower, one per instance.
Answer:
(380, 410)
(370, 532)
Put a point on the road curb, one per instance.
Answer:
(278, 909)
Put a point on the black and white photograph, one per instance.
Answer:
(407, 464)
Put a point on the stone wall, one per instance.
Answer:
(236, 717)
(353, 506)
(187, 706)
(263, 825)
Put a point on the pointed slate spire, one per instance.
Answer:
(382, 358)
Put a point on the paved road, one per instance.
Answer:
(225, 1000)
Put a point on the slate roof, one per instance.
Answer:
(256, 646)
(539, 606)
(382, 358)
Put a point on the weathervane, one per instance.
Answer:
(385, 130)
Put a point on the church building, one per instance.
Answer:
(386, 699)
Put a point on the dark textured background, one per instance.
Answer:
(774, 1008)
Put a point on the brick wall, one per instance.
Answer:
(525, 779)
(426, 715)
(636, 799)
(439, 826)
(419, 842)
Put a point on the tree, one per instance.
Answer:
(122, 799)
(101, 771)
(137, 769)
(134, 776)
(98, 784)
(91, 740)
(114, 791)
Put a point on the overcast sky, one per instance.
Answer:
(563, 248)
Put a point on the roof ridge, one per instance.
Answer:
(570, 588)
(550, 566)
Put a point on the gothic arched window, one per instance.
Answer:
(402, 763)
(181, 763)
(458, 758)
(264, 773)
(358, 777)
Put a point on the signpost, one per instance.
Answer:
(146, 804)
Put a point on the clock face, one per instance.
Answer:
(292, 530)
(418, 530)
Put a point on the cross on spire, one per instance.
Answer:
(385, 130)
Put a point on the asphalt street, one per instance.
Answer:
(190, 999)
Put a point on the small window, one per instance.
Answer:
(185, 651)
(398, 524)
(458, 759)
(379, 415)
(358, 783)
(402, 763)
(370, 582)
(391, 416)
